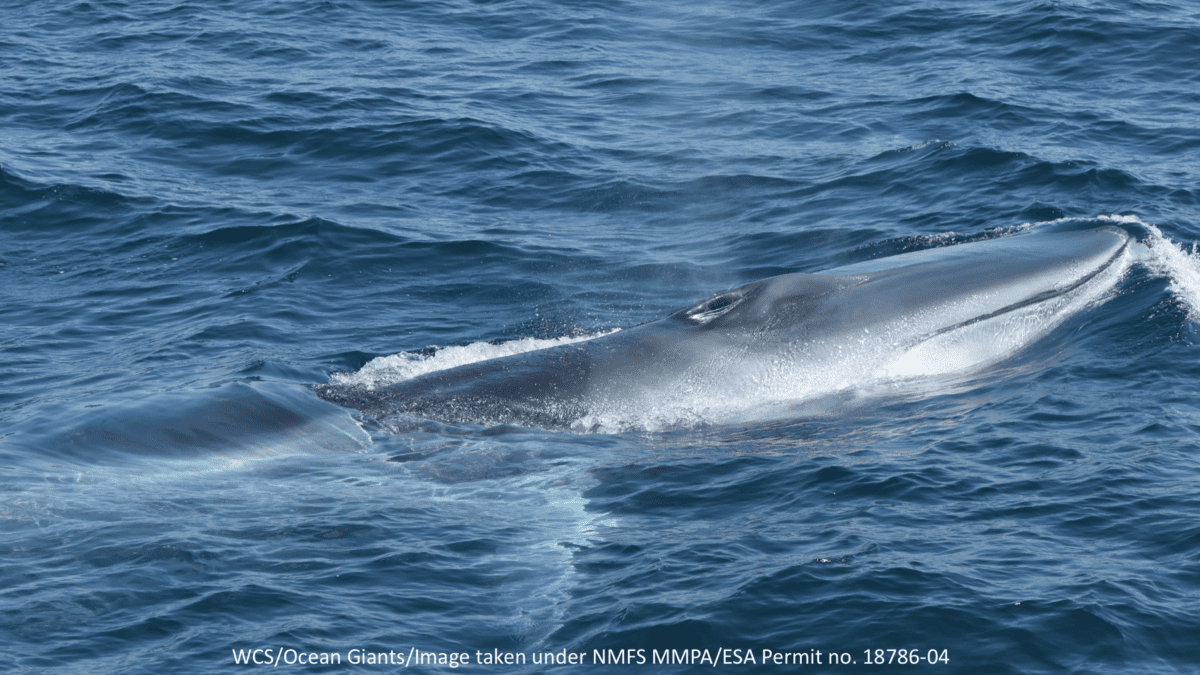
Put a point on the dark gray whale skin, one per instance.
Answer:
(910, 298)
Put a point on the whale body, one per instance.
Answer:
(771, 343)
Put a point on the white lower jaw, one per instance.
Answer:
(988, 341)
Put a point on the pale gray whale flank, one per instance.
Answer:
(785, 339)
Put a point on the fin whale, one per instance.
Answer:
(780, 340)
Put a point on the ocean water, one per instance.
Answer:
(210, 211)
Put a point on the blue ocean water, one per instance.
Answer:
(209, 209)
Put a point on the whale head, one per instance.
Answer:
(759, 349)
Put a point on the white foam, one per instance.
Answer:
(1170, 260)
(388, 370)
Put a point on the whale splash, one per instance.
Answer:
(759, 350)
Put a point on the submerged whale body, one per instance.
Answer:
(764, 346)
